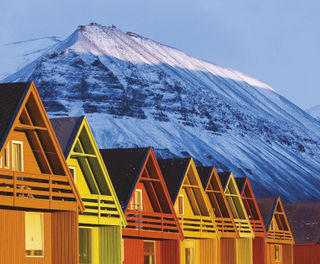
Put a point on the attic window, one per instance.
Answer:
(181, 204)
(6, 157)
(17, 155)
(138, 199)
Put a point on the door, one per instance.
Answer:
(85, 246)
(189, 252)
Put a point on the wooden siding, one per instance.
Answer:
(244, 250)
(259, 250)
(109, 245)
(209, 251)
(286, 254)
(133, 251)
(65, 238)
(170, 251)
(308, 253)
(228, 250)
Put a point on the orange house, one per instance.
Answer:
(222, 214)
(152, 234)
(256, 221)
(304, 220)
(39, 202)
(279, 247)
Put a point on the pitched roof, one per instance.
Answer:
(11, 97)
(224, 177)
(240, 183)
(66, 129)
(173, 171)
(124, 167)
(304, 221)
(204, 174)
(267, 206)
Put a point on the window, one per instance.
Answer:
(138, 199)
(6, 157)
(180, 204)
(277, 253)
(189, 252)
(73, 173)
(85, 246)
(17, 155)
(149, 252)
(34, 234)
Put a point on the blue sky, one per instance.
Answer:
(275, 41)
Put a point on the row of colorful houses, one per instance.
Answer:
(64, 200)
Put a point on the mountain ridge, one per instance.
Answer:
(138, 92)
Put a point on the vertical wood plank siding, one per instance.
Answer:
(287, 253)
(110, 244)
(306, 253)
(65, 238)
(169, 251)
(208, 251)
(12, 238)
(133, 251)
(228, 250)
(244, 250)
(259, 250)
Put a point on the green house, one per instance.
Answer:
(100, 225)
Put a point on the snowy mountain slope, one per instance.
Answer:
(314, 111)
(137, 92)
(16, 55)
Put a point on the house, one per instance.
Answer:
(189, 199)
(39, 201)
(241, 218)
(256, 221)
(153, 233)
(222, 214)
(279, 240)
(100, 225)
(304, 221)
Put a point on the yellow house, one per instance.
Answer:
(241, 219)
(100, 226)
(201, 238)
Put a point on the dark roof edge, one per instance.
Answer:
(4, 137)
(181, 180)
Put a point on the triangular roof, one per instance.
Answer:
(236, 204)
(124, 166)
(133, 166)
(22, 109)
(251, 206)
(215, 193)
(77, 140)
(272, 211)
(304, 221)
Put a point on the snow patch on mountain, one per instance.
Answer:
(138, 92)
(314, 111)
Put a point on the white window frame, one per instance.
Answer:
(6, 153)
(75, 173)
(135, 200)
(21, 144)
(43, 236)
(181, 195)
(91, 233)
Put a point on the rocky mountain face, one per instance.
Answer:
(137, 92)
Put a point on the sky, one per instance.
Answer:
(275, 41)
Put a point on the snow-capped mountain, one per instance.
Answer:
(314, 111)
(137, 92)
(16, 55)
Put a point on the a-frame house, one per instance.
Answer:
(222, 214)
(256, 221)
(241, 218)
(304, 221)
(279, 237)
(100, 225)
(39, 202)
(152, 234)
(189, 199)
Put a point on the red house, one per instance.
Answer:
(256, 221)
(304, 220)
(152, 234)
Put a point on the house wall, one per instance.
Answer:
(306, 253)
(286, 253)
(244, 250)
(259, 250)
(80, 179)
(228, 250)
(170, 251)
(109, 245)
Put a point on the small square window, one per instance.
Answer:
(34, 234)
